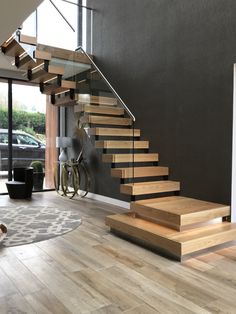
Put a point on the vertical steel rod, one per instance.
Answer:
(133, 153)
(9, 129)
(91, 32)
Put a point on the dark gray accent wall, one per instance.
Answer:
(172, 63)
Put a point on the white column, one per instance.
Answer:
(233, 187)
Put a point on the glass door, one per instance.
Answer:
(34, 125)
(3, 135)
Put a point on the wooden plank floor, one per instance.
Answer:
(92, 271)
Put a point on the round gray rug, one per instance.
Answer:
(28, 224)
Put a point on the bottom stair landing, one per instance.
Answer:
(140, 225)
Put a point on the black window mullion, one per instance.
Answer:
(9, 129)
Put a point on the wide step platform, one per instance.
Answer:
(178, 212)
(175, 243)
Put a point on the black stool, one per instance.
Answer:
(22, 185)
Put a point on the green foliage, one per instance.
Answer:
(3, 119)
(37, 165)
(23, 119)
(28, 130)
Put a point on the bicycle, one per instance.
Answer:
(74, 178)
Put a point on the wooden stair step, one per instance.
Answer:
(122, 144)
(139, 172)
(114, 132)
(116, 111)
(99, 100)
(55, 89)
(56, 69)
(122, 158)
(27, 63)
(151, 187)
(175, 243)
(68, 84)
(8, 41)
(13, 48)
(40, 75)
(64, 101)
(42, 55)
(93, 119)
(179, 212)
(29, 40)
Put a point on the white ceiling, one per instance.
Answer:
(12, 14)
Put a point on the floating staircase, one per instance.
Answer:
(175, 224)
(159, 216)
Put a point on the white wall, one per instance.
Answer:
(233, 198)
(12, 15)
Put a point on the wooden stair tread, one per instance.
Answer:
(178, 211)
(42, 76)
(151, 187)
(51, 89)
(175, 242)
(99, 109)
(122, 158)
(93, 119)
(113, 132)
(29, 40)
(13, 48)
(27, 63)
(63, 99)
(42, 55)
(122, 144)
(139, 172)
(65, 102)
(180, 205)
(100, 100)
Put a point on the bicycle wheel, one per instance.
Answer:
(84, 180)
(57, 181)
(69, 180)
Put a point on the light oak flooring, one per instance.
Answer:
(92, 271)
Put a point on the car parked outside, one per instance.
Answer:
(25, 149)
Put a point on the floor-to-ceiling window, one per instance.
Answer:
(34, 129)
(28, 122)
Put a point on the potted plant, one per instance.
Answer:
(38, 174)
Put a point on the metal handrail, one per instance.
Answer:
(108, 83)
(62, 15)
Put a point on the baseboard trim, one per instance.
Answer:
(108, 200)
